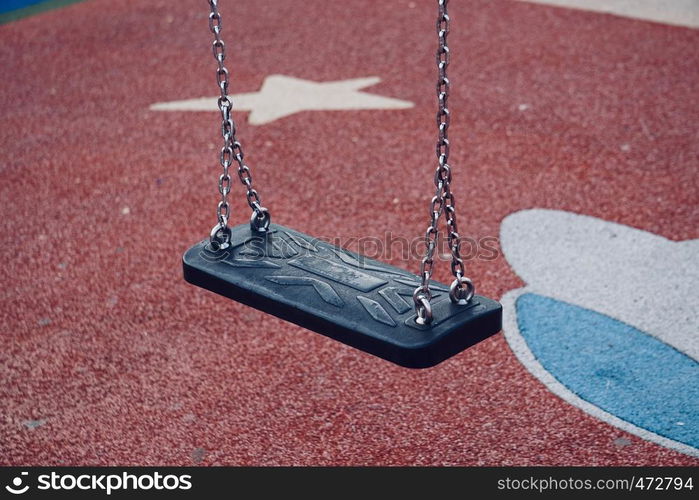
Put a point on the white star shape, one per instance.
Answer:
(282, 96)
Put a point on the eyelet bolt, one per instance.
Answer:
(423, 308)
(461, 291)
(220, 237)
(260, 219)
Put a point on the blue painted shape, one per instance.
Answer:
(8, 5)
(614, 366)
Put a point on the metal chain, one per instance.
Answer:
(462, 289)
(260, 219)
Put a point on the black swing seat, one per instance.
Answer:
(353, 299)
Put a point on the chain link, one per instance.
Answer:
(462, 288)
(443, 200)
(231, 150)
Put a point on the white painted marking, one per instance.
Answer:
(639, 278)
(282, 96)
(675, 12)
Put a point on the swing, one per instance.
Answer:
(383, 310)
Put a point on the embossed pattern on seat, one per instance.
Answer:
(359, 301)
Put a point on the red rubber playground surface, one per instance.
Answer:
(108, 357)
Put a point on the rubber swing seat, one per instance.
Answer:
(358, 301)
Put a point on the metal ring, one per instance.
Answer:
(216, 242)
(423, 310)
(260, 220)
(461, 291)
